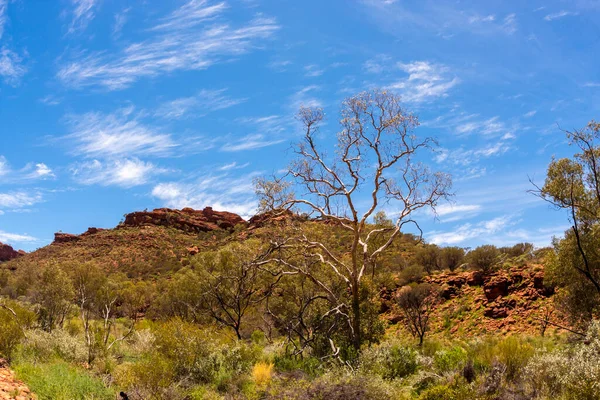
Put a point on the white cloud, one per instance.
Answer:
(232, 166)
(11, 69)
(530, 114)
(82, 14)
(591, 84)
(509, 24)
(29, 172)
(279, 65)
(313, 71)
(201, 104)
(18, 200)
(125, 173)
(120, 20)
(250, 142)
(465, 157)
(425, 82)
(464, 232)
(305, 98)
(193, 37)
(446, 209)
(476, 19)
(119, 134)
(378, 64)
(9, 238)
(559, 15)
(222, 192)
(3, 7)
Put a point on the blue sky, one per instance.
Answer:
(108, 107)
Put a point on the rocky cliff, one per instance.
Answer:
(7, 253)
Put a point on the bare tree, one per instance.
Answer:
(416, 303)
(375, 163)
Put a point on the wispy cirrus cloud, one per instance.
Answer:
(193, 37)
(199, 105)
(120, 20)
(3, 18)
(11, 66)
(124, 173)
(559, 15)
(82, 13)
(250, 142)
(426, 81)
(119, 134)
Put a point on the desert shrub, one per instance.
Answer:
(184, 352)
(60, 381)
(262, 373)
(42, 346)
(450, 360)
(573, 373)
(448, 392)
(333, 387)
(10, 333)
(389, 360)
(411, 274)
(311, 366)
(484, 258)
(514, 353)
(148, 378)
(427, 256)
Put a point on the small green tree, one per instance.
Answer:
(53, 292)
(417, 302)
(451, 257)
(484, 258)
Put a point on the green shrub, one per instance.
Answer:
(10, 333)
(42, 346)
(514, 353)
(450, 360)
(389, 360)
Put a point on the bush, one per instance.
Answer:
(411, 274)
(10, 333)
(514, 354)
(42, 346)
(450, 360)
(573, 373)
(389, 360)
(261, 373)
(484, 258)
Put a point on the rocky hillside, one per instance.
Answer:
(145, 243)
(10, 387)
(508, 301)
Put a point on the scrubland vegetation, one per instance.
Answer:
(312, 303)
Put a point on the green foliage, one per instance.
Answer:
(451, 257)
(428, 256)
(10, 333)
(451, 359)
(389, 360)
(484, 258)
(61, 381)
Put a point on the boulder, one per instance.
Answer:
(496, 287)
(475, 278)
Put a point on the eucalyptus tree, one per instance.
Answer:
(374, 164)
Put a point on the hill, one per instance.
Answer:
(149, 244)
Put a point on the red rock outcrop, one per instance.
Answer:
(60, 237)
(187, 219)
(7, 253)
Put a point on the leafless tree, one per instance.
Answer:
(375, 163)
(416, 303)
